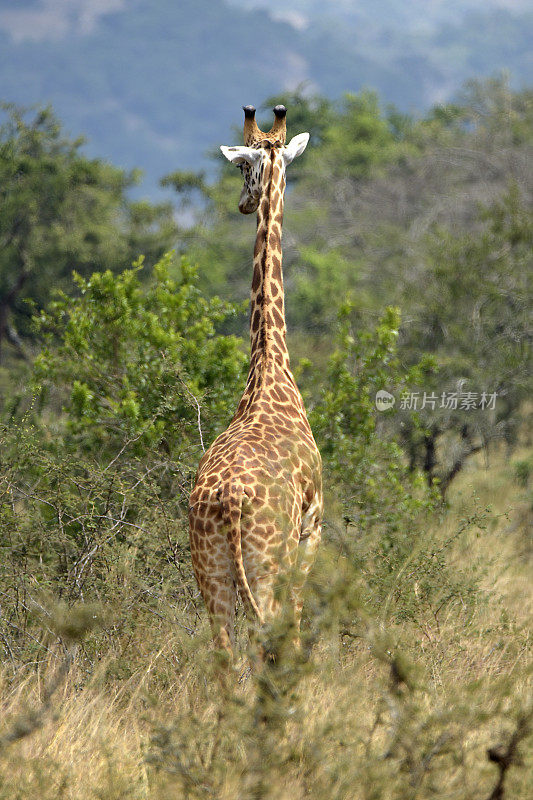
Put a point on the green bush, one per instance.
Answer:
(522, 471)
(132, 383)
(140, 360)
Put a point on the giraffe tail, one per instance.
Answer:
(231, 509)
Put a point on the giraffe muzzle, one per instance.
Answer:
(248, 203)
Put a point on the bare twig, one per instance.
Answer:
(197, 404)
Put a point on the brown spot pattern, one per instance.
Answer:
(256, 506)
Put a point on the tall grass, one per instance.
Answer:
(395, 698)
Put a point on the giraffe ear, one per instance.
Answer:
(240, 154)
(295, 147)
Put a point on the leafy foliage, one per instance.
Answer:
(60, 211)
(471, 312)
(385, 505)
(138, 359)
(96, 475)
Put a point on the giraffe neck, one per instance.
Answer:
(267, 311)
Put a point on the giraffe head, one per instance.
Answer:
(259, 148)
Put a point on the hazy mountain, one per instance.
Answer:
(155, 83)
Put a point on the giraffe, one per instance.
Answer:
(256, 508)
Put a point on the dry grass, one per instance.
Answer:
(406, 712)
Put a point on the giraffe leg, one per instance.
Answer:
(262, 589)
(221, 604)
(307, 549)
(274, 594)
(220, 596)
(223, 634)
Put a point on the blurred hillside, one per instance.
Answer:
(157, 83)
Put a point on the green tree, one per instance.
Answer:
(361, 138)
(133, 381)
(61, 211)
(363, 460)
(385, 506)
(141, 360)
(471, 310)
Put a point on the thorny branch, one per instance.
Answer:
(504, 758)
